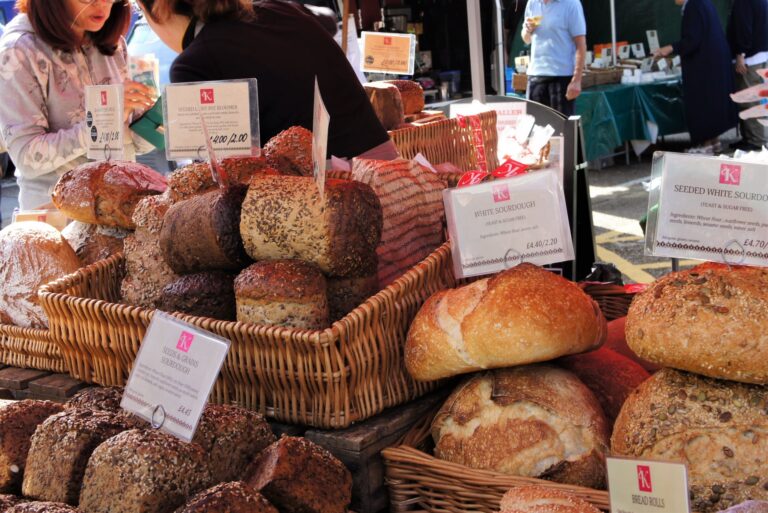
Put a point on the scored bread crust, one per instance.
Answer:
(538, 499)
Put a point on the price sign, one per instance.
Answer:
(638, 51)
(653, 40)
(173, 375)
(104, 120)
(638, 486)
(708, 208)
(624, 52)
(386, 52)
(497, 225)
(320, 121)
(231, 112)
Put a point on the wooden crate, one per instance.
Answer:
(520, 82)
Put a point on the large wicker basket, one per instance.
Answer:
(30, 349)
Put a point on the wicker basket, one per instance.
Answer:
(614, 300)
(420, 482)
(328, 379)
(30, 348)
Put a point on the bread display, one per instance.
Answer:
(537, 499)
(141, 471)
(710, 320)
(290, 152)
(282, 293)
(32, 254)
(92, 242)
(233, 497)
(532, 421)
(18, 422)
(411, 94)
(197, 178)
(97, 398)
(231, 437)
(106, 192)
(202, 233)
(522, 315)
(42, 507)
(616, 340)
(7, 501)
(283, 217)
(298, 476)
(346, 294)
(208, 294)
(749, 507)
(387, 103)
(60, 449)
(717, 428)
(412, 205)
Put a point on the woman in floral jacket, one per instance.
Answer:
(48, 54)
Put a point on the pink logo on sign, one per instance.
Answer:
(206, 96)
(500, 193)
(730, 174)
(103, 98)
(387, 41)
(644, 478)
(185, 342)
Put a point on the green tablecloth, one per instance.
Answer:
(613, 114)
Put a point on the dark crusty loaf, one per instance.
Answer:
(282, 293)
(411, 94)
(97, 398)
(42, 507)
(92, 242)
(290, 152)
(141, 471)
(8, 501)
(232, 497)
(196, 178)
(718, 428)
(298, 476)
(284, 217)
(206, 294)
(346, 294)
(387, 103)
(61, 447)
(18, 422)
(202, 233)
(231, 437)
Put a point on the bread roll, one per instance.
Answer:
(719, 429)
(749, 507)
(106, 192)
(7, 501)
(32, 254)
(282, 293)
(346, 294)
(522, 315)
(232, 497)
(538, 499)
(208, 294)
(42, 507)
(411, 94)
(197, 178)
(284, 217)
(97, 398)
(532, 421)
(290, 152)
(710, 320)
(92, 242)
(387, 103)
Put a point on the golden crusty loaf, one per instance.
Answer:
(710, 320)
(42, 507)
(284, 217)
(196, 178)
(32, 254)
(538, 499)
(718, 428)
(18, 422)
(411, 94)
(290, 152)
(232, 497)
(530, 421)
(106, 192)
(92, 242)
(288, 293)
(522, 315)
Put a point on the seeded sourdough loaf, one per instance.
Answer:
(206, 294)
(8, 501)
(196, 178)
(749, 507)
(290, 152)
(97, 398)
(537, 499)
(42, 507)
(718, 428)
(709, 320)
(18, 422)
(232, 497)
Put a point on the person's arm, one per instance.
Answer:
(574, 87)
(528, 27)
(692, 33)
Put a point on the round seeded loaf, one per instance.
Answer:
(232, 497)
(42, 507)
(538, 499)
(97, 398)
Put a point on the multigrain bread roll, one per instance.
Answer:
(141, 471)
(537, 499)
(749, 507)
(298, 476)
(284, 217)
(42, 507)
(719, 429)
(522, 315)
(411, 94)
(709, 320)
(60, 449)
(387, 103)
(232, 497)
(290, 152)
(346, 294)
(202, 233)
(32, 254)
(97, 398)
(8, 501)
(197, 178)
(282, 293)
(532, 421)
(231, 437)
(106, 192)
(92, 242)
(18, 422)
(207, 294)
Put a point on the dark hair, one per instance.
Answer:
(203, 10)
(50, 20)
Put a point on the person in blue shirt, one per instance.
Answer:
(557, 33)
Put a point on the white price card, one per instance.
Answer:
(104, 121)
(638, 51)
(231, 112)
(320, 121)
(386, 52)
(496, 225)
(589, 59)
(653, 40)
(708, 208)
(173, 375)
(677, 61)
(624, 52)
(640, 486)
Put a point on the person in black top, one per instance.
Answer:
(284, 47)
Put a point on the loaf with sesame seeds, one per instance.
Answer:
(232, 497)
(538, 499)
(290, 152)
